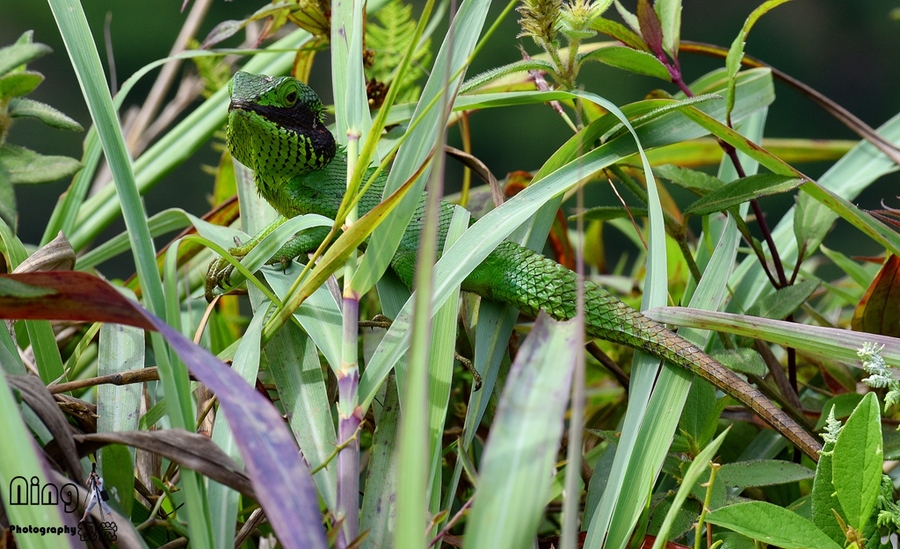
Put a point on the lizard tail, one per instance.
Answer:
(516, 276)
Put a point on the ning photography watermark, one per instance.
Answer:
(31, 492)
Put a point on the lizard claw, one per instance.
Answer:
(218, 276)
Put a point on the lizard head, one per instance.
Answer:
(276, 127)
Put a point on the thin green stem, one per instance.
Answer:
(714, 468)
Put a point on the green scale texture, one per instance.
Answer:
(311, 181)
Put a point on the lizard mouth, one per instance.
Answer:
(238, 105)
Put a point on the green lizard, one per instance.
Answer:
(276, 128)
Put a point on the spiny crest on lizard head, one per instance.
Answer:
(276, 128)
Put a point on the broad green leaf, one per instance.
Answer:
(24, 166)
(19, 54)
(690, 179)
(619, 31)
(743, 360)
(784, 301)
(771, 524)
(669, 12)
(629, 59)
(743, 474)
(858, 458)
(21, 106)
(19, 84)
(824, 499)
(742, 190)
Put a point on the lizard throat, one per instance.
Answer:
(277, 150)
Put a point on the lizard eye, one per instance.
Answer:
(290, 98)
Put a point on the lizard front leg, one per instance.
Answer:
(218, 275)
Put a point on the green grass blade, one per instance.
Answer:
(828, 343)
(521, 450)
(21, 460)
(380, 496)
(425, 392)
(451, 60)
(121, 350)
(650, 422)
(223, 501)
(298, 375)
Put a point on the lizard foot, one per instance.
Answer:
(218, 276)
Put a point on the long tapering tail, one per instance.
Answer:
(530, 282)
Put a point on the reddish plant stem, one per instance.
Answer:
(782, 281)
(348, 424)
